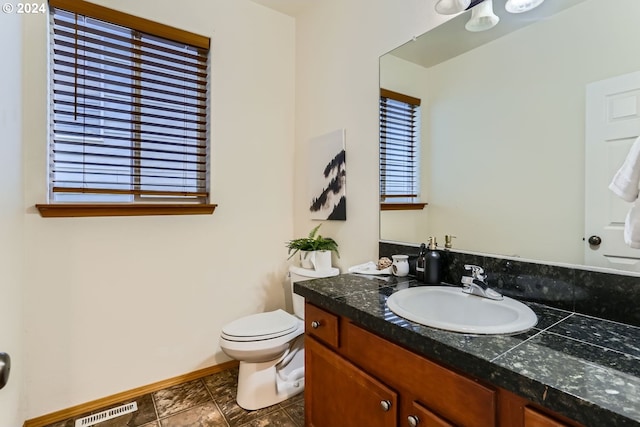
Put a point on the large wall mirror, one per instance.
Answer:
(503, 129)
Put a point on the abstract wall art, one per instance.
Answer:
(327, 177)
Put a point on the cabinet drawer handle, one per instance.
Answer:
(315, 324)
(413, 420)
(385, 405)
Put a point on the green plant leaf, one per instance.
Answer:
(312, 243)
(312, 233)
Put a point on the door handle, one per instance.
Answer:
(5, 367)
(595, 240)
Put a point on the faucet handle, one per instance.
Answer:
(476, 271)
(466, 280)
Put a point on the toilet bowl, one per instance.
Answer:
(270, 348)
(260, 337)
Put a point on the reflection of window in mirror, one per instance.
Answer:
(399, 151)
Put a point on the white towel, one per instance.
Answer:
(369, 268)
(625, 181)
(632, 227)
(625, 185)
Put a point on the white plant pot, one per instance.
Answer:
(305, 259)
(315, 260)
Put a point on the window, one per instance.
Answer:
(128, 115)
(399, 151)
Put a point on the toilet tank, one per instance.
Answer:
(299, 274)
(298, 301)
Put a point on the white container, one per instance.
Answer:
(400, 265)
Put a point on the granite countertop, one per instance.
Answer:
(585, 368)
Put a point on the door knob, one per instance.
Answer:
(5, 367)
(385, 405)
(413, 420)
(315, 324)
(595, 240)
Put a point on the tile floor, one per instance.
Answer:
(206, 402)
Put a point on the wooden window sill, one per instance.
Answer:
(402, 206)
(67, 210)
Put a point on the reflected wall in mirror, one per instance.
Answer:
(503, 126)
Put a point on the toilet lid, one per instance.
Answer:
(261, 326)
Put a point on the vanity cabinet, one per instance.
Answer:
(353, 377)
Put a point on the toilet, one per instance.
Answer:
(270, 348)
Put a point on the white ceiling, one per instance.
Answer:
(289, 7)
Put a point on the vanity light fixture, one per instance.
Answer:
(482, 17)
(519, 6)
(451, 7)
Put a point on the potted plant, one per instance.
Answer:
(315, 250)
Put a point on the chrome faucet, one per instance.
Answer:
(476, 284)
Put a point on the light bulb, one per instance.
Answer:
(519, 6)
(451, 7)
(482, 17)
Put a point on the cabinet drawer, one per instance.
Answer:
(321, 325)
(533, 418)
(425, 418)
(454, 397)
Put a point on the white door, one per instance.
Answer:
(11, 214)
(612, 125)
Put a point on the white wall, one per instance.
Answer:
(11, 219)
(338, 46)
(116, 303)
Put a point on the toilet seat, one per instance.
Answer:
(261, 326)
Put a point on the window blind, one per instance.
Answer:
(399, 147)
(129, 117)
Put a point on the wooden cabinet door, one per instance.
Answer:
(338, 394)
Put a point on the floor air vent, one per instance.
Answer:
(107, 415)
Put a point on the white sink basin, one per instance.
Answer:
(449, 308)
